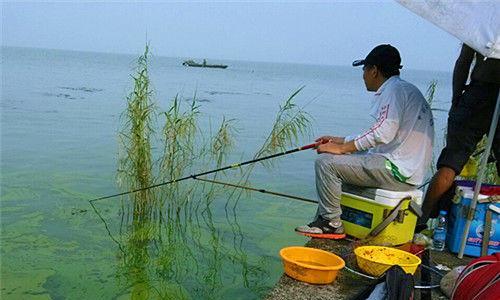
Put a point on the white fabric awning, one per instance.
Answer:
(476, 23)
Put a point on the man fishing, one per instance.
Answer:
(393, 154)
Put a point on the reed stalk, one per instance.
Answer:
(179, 150)
(135, 160)
(291, 123)
(178, 133)
(157, 250)
(221, 145)
(429, 94)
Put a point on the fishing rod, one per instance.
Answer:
(256, 190)
(310, 146)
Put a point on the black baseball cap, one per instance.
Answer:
(383, 55)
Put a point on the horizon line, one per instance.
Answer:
(219, 59)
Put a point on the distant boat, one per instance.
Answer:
(192, 63)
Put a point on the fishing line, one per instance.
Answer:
(310, 146)
(257, 190)
(107, 229)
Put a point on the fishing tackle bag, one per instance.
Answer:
(396, 284)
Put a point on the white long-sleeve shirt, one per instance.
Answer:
(403, 132)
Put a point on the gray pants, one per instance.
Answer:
(366, 170)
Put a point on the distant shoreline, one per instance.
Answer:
(134, 55)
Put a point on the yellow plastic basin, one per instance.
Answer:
(311, 265)
(375, 260)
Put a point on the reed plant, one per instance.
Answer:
(223, 141)
(179, 134)
(291, 123)
(135, 164)
(221, 145)
(179, 150)
(183, 144)
(152, 239)
(429, 94)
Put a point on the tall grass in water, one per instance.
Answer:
(135, 165)
(179, 152)
(179, 137)
(223, 141)
(221, 145)
(135, 171)
(184, 148)
(166, 241)
(291, 123)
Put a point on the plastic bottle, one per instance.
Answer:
(439, 237)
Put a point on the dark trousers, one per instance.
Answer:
(468, 120)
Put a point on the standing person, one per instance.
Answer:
(398, 144)
(469, 119)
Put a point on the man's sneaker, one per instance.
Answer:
(323, 229)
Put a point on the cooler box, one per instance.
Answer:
(363, 209)
(457, 219)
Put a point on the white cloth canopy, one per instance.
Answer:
(476, 23)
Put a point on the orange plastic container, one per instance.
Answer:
(311, 265)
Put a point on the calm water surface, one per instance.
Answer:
(60, 115)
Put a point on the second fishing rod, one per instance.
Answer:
(310, 146)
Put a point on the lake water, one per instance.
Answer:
(60, 116)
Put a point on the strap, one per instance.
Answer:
(486, 233)
(391, 217)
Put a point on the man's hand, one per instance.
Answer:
(332, 139)
(336, 148)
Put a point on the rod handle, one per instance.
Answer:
(311, 146)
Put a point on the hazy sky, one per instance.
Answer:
(319, 33)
